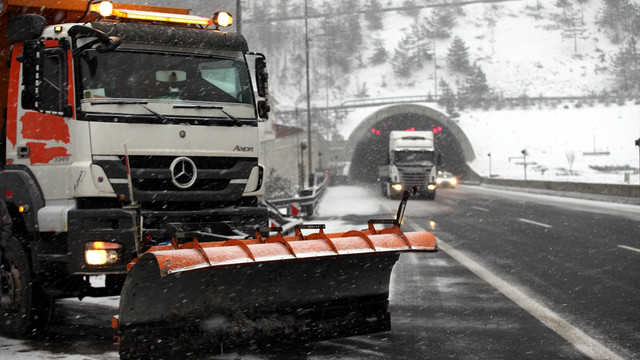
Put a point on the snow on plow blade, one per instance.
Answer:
(194, 298)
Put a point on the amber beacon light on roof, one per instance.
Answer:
(106, 9)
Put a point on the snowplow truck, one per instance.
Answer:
(130, 167)
(411, 165)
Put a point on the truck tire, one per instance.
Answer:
(24, 310)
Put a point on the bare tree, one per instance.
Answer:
(571, 157)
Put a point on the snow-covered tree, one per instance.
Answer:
(374, 16)
(476, 85)
(565, 5)
(621, 17)
(402, 62)
(380, 54)
(490, 18)
(440, 22)
(447, 98)
(458, 55)
(573, 27)
(571, 158)
(626, 66)
(422, 48)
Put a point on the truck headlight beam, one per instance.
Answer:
(101, 253)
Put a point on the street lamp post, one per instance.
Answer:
(524, 157)
(306, 44)
(489, 155)
(638, 144)
(435, 70)
(303, 147)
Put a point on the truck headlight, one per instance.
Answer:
(431, 187)
(101, 253)
(397, 187)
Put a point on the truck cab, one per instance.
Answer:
(412, 165)
(124, 130)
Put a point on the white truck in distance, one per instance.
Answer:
(412, 165)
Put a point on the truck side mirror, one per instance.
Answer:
(262, 84)
(32, 62)
(262, 76)
(263, 110)
(258, 64)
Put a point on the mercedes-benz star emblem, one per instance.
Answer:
(183, 172)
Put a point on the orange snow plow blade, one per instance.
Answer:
(194, 298)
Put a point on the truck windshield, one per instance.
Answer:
(412, 157)
(148, 75)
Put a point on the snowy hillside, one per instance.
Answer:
(520, 48)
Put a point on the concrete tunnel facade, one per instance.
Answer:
(368, 150)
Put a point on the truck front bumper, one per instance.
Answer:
(101, 241)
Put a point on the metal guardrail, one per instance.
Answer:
(381, 101)
(307, 199)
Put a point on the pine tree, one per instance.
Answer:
(635, 21)
(402, 61)
(574, 27)
(380, 54)
(458, 55)
(440, 22)
(353, 26)
(477, 82)
(420, 45)
(626, 65)
(411, 4)
(335, 46)
(565, 5)
(447, 97)
(491, 21)
(374, 16)
(476, 88)
(620, 16)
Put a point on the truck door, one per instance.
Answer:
(43, 114)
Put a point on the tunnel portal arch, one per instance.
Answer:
(368, 150)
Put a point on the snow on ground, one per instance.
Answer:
(347, 200)
(551, 136)
(600, 206)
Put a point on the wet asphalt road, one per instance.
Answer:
(575, 257)
(572, 258)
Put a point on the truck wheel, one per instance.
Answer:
(24, 310)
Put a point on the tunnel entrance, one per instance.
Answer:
(372, 146)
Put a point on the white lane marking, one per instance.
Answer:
(628, 248)
(479, 208)
(583, 342)
(535, 223)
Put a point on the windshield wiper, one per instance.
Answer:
(142, 103)
(215, 107)
(116, 101)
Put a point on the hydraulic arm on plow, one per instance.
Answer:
(209, 295)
